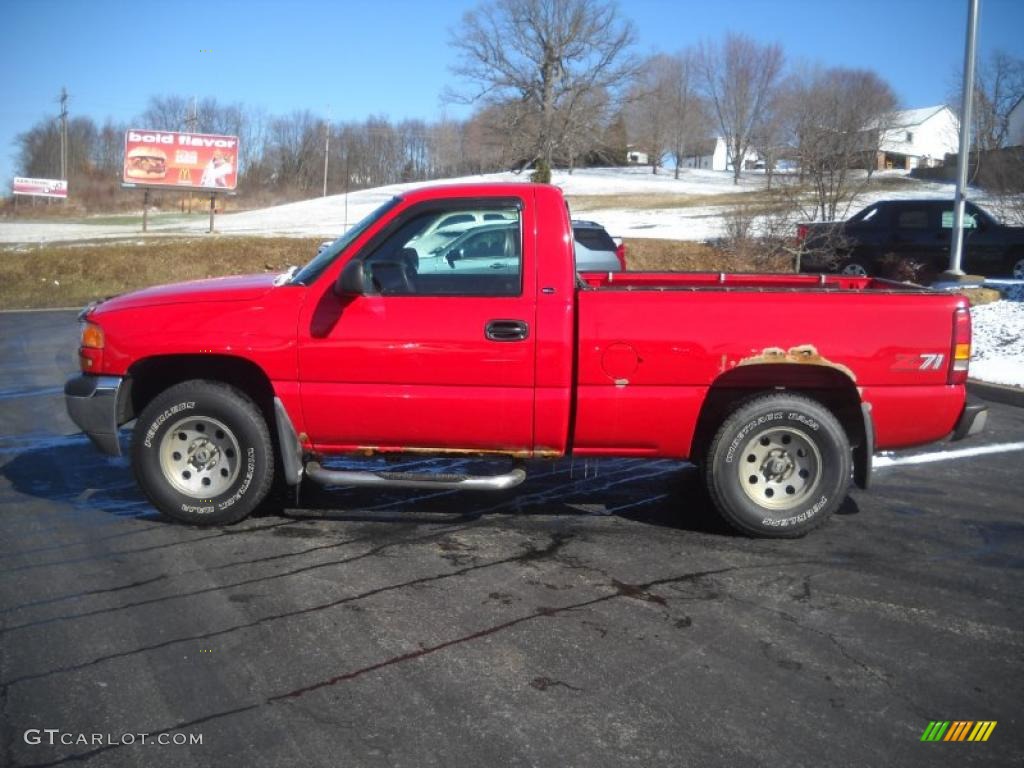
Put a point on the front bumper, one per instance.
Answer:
(971, 422)
(92, 403)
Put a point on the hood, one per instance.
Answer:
(236, 288)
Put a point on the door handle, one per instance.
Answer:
(506, 330)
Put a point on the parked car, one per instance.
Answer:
(893, 232)
(235, 384)
(596, 250)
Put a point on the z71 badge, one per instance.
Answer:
(926, 361)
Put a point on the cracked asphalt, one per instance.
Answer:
(601, 616)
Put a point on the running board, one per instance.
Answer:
(323, 476)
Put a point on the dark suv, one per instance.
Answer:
(915, 233)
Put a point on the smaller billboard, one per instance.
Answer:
(40, 187)
(182, 160)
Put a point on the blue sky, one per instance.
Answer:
(392, 57)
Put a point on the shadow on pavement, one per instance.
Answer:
(68, 470)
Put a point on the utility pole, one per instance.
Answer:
(190, 123)
(963, 158)
(64, 133)
(327, 146)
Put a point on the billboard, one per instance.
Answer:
(182, 160)
(40, 187)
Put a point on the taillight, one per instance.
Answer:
(620, 254)
(960, 358)
(801, 233)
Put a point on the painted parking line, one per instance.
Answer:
(882, 462)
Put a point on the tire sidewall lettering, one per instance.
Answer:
(802, 517)
(766, 418)
(158, 422)
(250, 471)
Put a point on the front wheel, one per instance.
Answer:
(778, 466)
(201, 452)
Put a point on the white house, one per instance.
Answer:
(919, 137)
(713, 155)
(636, 156)
(1015, 132)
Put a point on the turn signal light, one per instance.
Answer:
(92, 336)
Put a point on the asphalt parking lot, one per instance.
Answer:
(598, 617)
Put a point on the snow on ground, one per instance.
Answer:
(998, 343)
(328, 216)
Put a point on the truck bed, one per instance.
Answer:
(652, 345)
(740, 280)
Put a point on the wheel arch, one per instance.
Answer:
(827, 385)
(152, 375)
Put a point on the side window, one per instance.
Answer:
(483, 258)
(915, 218)
(969, 221)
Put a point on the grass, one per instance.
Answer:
(645, 254)
(69, 275)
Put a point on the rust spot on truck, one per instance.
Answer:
(802, 354)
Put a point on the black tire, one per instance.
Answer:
(787, 486)
(202, 454)
(1015, 266)
(854, 267)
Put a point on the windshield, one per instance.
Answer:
(313, 269)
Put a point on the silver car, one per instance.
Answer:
(596, 251)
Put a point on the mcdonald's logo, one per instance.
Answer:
(958, 730)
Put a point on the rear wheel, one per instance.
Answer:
(854, 268)
(1016, 266)
(778, 466)
(202, 453)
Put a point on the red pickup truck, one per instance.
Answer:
(393, 341)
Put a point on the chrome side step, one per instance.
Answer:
(323, 476)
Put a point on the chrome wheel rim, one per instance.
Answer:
(855, 270)
(199, 457)
(780, 468)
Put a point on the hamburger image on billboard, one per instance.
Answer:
(181, 160)
(145, 163)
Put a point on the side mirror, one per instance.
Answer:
(352, 280)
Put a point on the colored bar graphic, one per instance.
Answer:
(958, 730)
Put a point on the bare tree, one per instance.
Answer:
(540, 60)
(837, 120)
(167, 113)
(738, 77)
(689, 121)
(998, 88)
(650, 110)
(768, 137)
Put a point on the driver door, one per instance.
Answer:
(440, 353)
